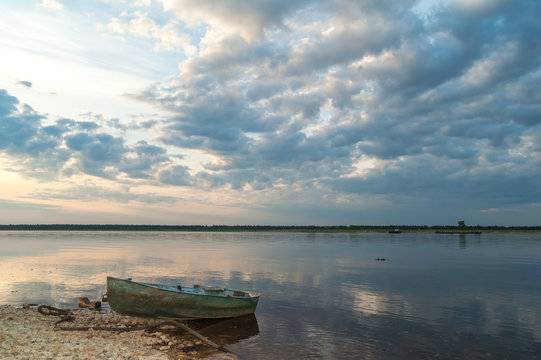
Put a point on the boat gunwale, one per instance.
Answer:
(251, 295)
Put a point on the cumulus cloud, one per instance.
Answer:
(335, 99)
(22, 135)
(52, 4)
(143, 160)
(142, 3)
(68, 147)
(166, 37)
(176, 175)
(247, 18)
(300, 94)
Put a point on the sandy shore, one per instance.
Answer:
(27, 334)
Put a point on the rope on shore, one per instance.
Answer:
(67, 316)
(50, 310)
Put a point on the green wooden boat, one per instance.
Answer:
(131, 297)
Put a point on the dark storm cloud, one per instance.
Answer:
(447, 98)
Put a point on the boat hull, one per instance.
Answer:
(132, 297)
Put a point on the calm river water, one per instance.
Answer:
(323, 296)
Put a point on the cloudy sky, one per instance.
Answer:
(331, 112)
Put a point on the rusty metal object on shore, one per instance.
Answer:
(85, 303)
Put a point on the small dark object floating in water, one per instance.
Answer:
(381, 259)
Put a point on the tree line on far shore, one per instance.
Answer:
(234, 228)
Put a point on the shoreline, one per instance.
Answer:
(26, 333)
(233, 229)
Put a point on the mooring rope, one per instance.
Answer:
(50, 310)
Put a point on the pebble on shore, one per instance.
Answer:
(27, 334)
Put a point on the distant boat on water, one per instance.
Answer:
(131, 297)
(459, 232)
(395, 231)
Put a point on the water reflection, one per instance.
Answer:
(227, 331)
(462, 241)
(324, 296)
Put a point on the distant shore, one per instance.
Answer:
(275, 228)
